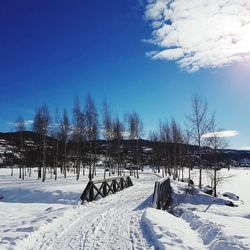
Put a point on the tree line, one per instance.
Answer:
(76, 139)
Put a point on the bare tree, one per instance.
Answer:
(135, 128)
(20, 124)
(153, 136)
(55, 133)
(180, 141)
(216, 141)
(78, 133)
(187, 141)
(107, 132)
(42, 120)
(154, 139)
(20, 127)
(162, 146)
(199, 124)
(175, 134)
(92, 131)
(165, 138)
(118, 132)
(64, 133)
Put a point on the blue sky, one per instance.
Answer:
(52, 51)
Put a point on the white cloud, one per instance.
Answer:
(200, 33)
(26, 123)
(225, 133)
(170, 54)
(244, 148)
(155, 9)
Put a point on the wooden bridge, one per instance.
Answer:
(101, 188)
(162, 193)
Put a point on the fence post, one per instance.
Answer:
(91, 191)
(162, 192)
(104, 188)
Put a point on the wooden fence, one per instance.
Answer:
(162, 193)
(101, 188)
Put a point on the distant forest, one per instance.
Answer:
(89, 140)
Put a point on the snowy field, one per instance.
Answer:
(37, 215)
(204, 222)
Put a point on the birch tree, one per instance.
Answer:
(118, 132)
(20, 127)
(165, 138)
(77, 133)
(107, 132)
(55, 133)
(64, 133)
(175, 134)
(41, 124)
(216, 140)
(92, 131)
(135, 128)
(199, 123)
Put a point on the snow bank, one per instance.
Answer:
(203, 221)
(211, 233)
(170, 232)
(219, 226)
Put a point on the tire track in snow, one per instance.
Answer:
(110, 223)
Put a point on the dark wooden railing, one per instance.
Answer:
(101, 188)
(162, 193)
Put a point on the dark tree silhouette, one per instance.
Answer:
(41, 124)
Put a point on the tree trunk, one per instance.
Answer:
(215, 183)
(23, 172)
(200, 170)
(20, 171)
(64, 160)
(90, 166)
(55, 170)
(44, 159)
(137, 158)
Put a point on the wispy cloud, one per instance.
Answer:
(225, 133)
(244, 148)
(200, 33)
(26, 123)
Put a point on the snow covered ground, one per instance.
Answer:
(202, 221)
(233, 222)
(37, 215)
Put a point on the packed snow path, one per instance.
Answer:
(110, 223)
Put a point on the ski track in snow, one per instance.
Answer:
(109, 223)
